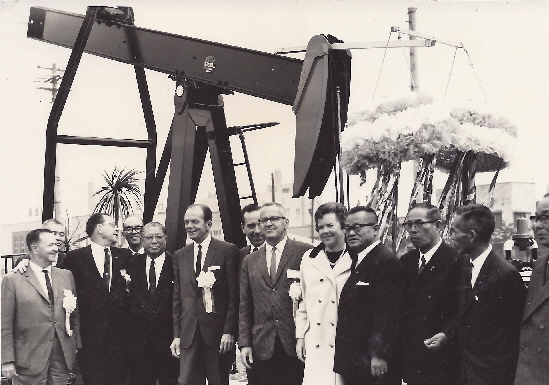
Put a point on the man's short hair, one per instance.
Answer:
(275, 204)
(206, 211)
(93, 221)
(34, 236)
(156, 224)
(478, 218)
(248, 209)
(433, 213)
(52, 220)
(365, 209)
(338, 209)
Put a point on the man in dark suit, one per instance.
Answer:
(205, 302)
(131, 231)
(490, 305)
(369, 304)
(250, 227)
(103, 304)
(430, 299)
(533, 368)
(265, 305)
(36, 345)
(58, 230)
(150, 325)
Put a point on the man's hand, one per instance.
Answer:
(436, 342)
(21, 266)
(227, 343)
(379, 367)
(8, 370)
(175, 347)
(246, 357)
(300, 349)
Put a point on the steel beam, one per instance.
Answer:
(268, 76)
(90, 140)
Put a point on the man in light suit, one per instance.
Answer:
(204, 337)
(36, 346)
(369, 304)
(430, 299)
(265, 305)
(490, 305)
(532, 366)
(103, 302)
(150, 325)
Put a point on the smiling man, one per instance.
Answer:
(204, 340)
(269, 352)
(369, 304)
(132, 233)
(430, 299)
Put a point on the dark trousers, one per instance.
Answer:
(152, 364)
(280, 369)
(200, 361)
(104, 364)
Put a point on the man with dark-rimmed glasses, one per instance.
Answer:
(430, 300)
(368, 314)
(131, 231)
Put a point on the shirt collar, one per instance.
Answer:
(257, 247)
(429, 254)
(479, 261)
(365, 252)
(158, 260)
(279, 246)
(38, 270)
(205, 243)
(96, 247)
(140, 251)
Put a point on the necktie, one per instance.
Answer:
(152, 276)
(254, 249)
(48, 285)
(198, 266)
(423, 263)
(107, 269)
(273, 265)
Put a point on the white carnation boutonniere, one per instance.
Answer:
(296, 295)
(127, 278)
(206, 280)
(69, 304)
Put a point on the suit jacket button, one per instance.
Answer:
(49, 306)
(274, 289)
(331, 345)
(529, 303)
(276, 320)
(540, 350)
(428, 297)
(318, 323)
(51, 339)
(333, 301)
(317, 346)
(542, 327)
(321, 279)
(319, 300)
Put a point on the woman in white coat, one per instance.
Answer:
(324, 270)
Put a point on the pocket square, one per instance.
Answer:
(293, 274)
(212, 268)
(360, 283)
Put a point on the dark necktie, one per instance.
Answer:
(423, 263)
(48, 285)
(106, 269)
(254, 249)
(152, 276)
(273, 265)
(198, 266)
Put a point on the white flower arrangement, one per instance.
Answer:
(69, 304)
(206, 280)
(295, 294)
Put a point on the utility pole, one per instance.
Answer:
(272, 187)
(414, 86)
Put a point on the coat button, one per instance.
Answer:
(540, 350)
(274, 289)
(529, 303)
(51, 339)
(331, 345)
(276, 321)
(331, 323)
(318, 323)
(321, 279)
(319, 300)
(428, 297)
(317, 346)
(542, 327)
(333, 301)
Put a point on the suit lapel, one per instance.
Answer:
(87, 258)
(432, 267)
(359, 270)
(33, 280)
(286, 255)
(262, 264)
(320, 262)
(343, 264)
(541, 291)
(56, 284)
(210, 255)
(189, 262)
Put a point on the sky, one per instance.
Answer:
(507, 43)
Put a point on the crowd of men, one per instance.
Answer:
(442, 314)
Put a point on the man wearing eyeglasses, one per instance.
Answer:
(150, 325)
(265, 306)
(132, 233)
(532, 366)
(430, 299)
(369, 304)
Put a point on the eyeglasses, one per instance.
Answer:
(130, 229)
(416, 224)
(157, 237)
(540, 218)
(272, 219)
(357, 227)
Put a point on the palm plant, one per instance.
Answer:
(119, 195)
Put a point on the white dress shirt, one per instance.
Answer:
(41, 276)
(278, 253)
(477, 264)
(140, 251)
(429, 254)
(158, 264)
(365, 252)
(205, 245)
(98, 253)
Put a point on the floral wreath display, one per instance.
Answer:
(459, 140)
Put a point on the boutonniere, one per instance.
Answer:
(206, 281)
(295, 293)
(127, 278)
(69, 304)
